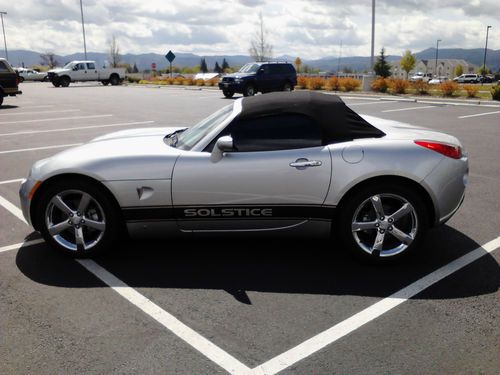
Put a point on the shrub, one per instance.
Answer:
(187, 81)
(495, 92)
(133, 79)
(301, 82)
(448, 88)
(471, 90)
(199, 82)
(178, 81)
(380, 85)
(349, 84)
(333, 84)
(315, 83)
(398, 85)
(212, 82)
(421, 87)
(143, 82)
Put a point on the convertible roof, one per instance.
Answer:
(338, 122)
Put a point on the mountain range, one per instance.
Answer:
(356, 63)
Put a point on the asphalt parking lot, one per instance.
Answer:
(243, 307)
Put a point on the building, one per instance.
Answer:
(445, 68)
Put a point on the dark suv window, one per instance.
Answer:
(3, 67)
(279, 132)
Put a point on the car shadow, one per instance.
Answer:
(275, 266)
(8, 106)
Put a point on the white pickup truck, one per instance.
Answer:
(79, 71)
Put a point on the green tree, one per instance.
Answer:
(408, 62)
(135, 69)
(217, 68)
(483, 70)
(203, 65)
(382, 67)
(298, 64)
(459, 70)
(225, 65)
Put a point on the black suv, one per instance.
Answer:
(259, 76)
(9, 80)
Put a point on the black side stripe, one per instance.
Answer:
(155, 213)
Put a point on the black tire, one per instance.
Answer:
(358, 211)
(114, 80)
(287, 86)
(65, 81)
(101, 210)
(21, 79)
(1, 99)
(249, 90)
(228, 94)
(105, 83)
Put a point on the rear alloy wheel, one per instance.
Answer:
(249, 90)
(64, 81)
(21, 79)
(228, 94)
(114, 80)
(77, 218)
(383, 223)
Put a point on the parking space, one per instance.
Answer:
(206, 306)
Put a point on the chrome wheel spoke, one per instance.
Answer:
(403, 211)
(59, 203)
(379, 241)
(58, 228)
(362, 225)
(84, 202)
(377, 205)
(98, 225)
(80, 241)
(401, 236)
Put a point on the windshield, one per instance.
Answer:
(189, 138)
(249, 68)
(68, 66)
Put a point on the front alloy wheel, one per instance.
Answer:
(249, 90)
(77, 218)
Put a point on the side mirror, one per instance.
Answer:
(260, 71)
(223, 144)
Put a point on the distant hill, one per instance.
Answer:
(357, 63)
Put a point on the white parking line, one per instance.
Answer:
(480, 114)
(11, 181)
(12, 209)
(38, 148)
(365, 316)
(38, 112)
(76, 128)
(410, 108)
(21, 244)
(54, 119)
(377, 102)
(193, 338)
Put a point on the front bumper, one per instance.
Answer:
(232, 86)
(24, 191)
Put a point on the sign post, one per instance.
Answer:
(170, 57)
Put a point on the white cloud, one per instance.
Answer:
(310, 29)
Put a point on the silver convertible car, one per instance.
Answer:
(293, 164)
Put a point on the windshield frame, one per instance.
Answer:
(207, 138)
(69, 65)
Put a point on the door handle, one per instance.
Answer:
(305, 163)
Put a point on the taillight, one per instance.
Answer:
(452, 151)
(17, 79)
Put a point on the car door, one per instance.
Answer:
(91, 72)
(277, 177)
(78, 73)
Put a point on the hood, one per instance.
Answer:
(239, 75)
(400, 130)
(58, 70)
(135, 154)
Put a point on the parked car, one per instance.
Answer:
(9, 81)
(419, 76)
(299, 164)
(259, 77)
(31, 75)
(85, 71)
(438, 80)
(468, 78)
(486, 79)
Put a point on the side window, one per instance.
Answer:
(3, 67)
(278, 132)
(275, 69)
(265, 69)
(90, 66)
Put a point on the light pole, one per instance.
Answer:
(485, 49)
(4, 39)
(373, 36)
(83, 28)
(437, 49)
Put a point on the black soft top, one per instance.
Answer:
(338, 122)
